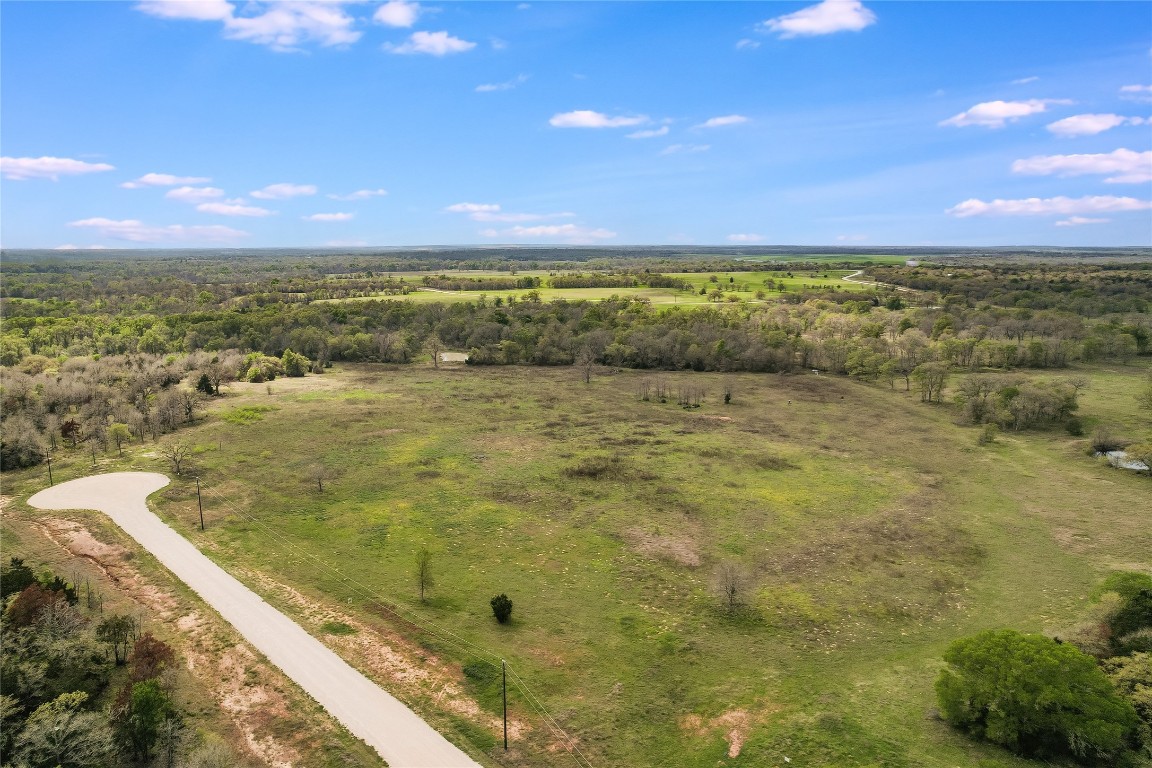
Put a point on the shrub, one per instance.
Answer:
(502, 608)
(1034, 696)
(1103, 441)
(988, 434)
(1074, 426)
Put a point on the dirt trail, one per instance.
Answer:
(368, 712)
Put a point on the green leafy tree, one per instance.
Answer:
(294, 364)
(1034, 696)
(139, 721)
(1132, 676)
(62, 734)
(117, 631)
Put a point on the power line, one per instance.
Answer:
(442, 633)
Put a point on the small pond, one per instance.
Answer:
(1120, 460)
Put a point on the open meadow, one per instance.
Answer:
(865, 531)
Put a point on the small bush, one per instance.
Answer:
(502, 608)
(597, 468)
(1074, 426)
(337, 628)
(1103, 441)
(988, 434)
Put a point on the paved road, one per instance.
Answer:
(393, 730)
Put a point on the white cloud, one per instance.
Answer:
(1128, 166)
(233, 209)
(719, 122)
(746, 43)
(139, 232)
(282, 191)
(1060, 206)
(1078, 221)
(996, 114)
(491, 212)
(24, 168)
(329, 217)
(397, 13)
(432, 43)
(1136, 92)
(163, 180)
(280, 24)
(473, 207)
(649, 134)
(361, 194)
(746, 237)
(346, 243)
(568, 233)
(194, 10)
(1089, 125)
(71, 247)
(512, 217)
(1025, 80)
(505, 86)
(851, 238)
(586, 118)
(681, 149)
(194, 194)
(823, 18)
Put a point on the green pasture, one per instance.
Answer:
(872, 530)
(742, 286)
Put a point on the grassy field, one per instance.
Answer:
(872, 529)
(734, 285)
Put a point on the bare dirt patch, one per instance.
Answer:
(681, 550)
(736, 725)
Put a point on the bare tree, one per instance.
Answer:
(318, 473)
(433, 345)
(424, 570)
(177, 452)
(585, 360)
(732, 582)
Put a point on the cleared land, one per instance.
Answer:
(874, 531)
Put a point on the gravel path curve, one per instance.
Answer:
(393, 730)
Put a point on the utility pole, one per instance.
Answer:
(199, 504)
(504, 671)
(48, 456)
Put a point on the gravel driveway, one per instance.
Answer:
(393, 730)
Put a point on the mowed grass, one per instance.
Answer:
(874, 531)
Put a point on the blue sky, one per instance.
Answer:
(214, 123)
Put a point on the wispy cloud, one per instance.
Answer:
(280, 25)
(681, 149)
(136, 231)
(431, 43)
(472, 207)
(747, 44)
(193, 194)
(397, 13)
(24, 168)
(505, 86)
(1079, 221)
(361, 194)
(329, 217)
(745, 237)
(824, 18)
(1127, 166)
(720, 122)
(566, 233)
(997, 114)
(1035, 206)
(163, 180)
(649, 134)
(1089, 125)
(586, 118)
(234, 209)
(284, 191)
(1025, 80)
(491, 212)
(1136, 92)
